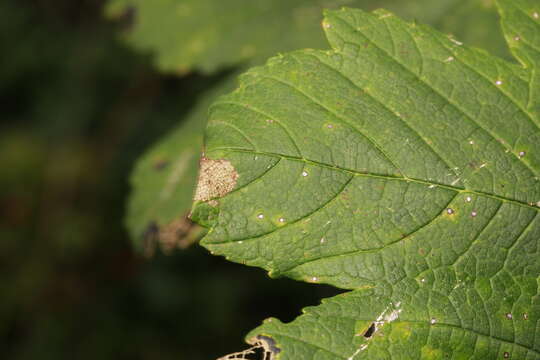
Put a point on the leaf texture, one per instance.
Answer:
(401, 165)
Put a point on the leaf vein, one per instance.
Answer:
(388, 177)
(395, 242)
(256, 110)
(377, 147)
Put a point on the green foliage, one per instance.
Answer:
(209, 34)
(400, 165)
(172, 29)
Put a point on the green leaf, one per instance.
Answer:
(161, 197)
(164, 179)
(209, 34)
(401, 165)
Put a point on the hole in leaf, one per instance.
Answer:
(370, 331)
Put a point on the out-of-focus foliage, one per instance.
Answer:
(210, 34)
(207, 35)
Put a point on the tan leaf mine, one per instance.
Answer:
(216, 179)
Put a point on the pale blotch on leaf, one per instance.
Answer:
(217, 178)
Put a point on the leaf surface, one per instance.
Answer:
(401, 165)
(209, 34)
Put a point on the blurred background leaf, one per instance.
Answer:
(207, 35)
(79, 108)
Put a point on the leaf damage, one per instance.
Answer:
(391, 313)
(217, 178)
(178, 234)
(264, 348)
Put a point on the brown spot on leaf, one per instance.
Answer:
(126, 18)
(160, 164)
(178, 234)
(172, 235)
(216, 179)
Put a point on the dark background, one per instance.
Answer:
(78, 108)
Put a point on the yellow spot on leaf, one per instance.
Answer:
(429, 353)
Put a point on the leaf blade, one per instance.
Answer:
(439, 216)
